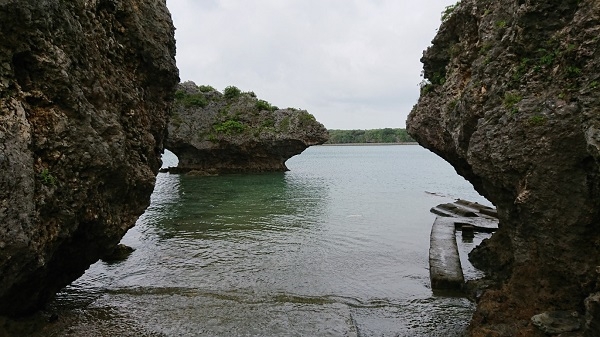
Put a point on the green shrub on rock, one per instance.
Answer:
(195, 100)
(268, 123)
(179, 95)
(232, 92)
(230, 127)
(190, 100)
(305, 119)
(47, 178)
(284, 125)
(261, 104)
(510, 99)
(448, 11)
(206, 88)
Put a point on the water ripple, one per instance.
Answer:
(336, 246)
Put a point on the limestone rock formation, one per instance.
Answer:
(231, 132)
(512, 101)
(85, 86)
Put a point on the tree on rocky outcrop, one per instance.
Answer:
(234, 131)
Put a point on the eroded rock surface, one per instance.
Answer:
(513, 103)
(231, 132)
(85, 86)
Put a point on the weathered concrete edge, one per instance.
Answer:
(445, 269)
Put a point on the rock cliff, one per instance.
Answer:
(512, 100)
(85, 86)
(230, 132)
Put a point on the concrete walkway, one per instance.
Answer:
(445, 270)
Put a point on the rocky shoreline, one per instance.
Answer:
(510, 99)
(85, 90)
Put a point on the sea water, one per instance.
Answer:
(337, 246)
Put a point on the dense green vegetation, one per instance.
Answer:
(261, 104)
(386, 135)
(234, 113)
(232, 92)
(191, 100)
(230, 127)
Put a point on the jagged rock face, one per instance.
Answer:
(513, 104)
(85, 89)
(213, 133)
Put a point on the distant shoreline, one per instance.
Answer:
(370, 144)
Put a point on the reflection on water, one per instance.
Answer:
(335, 247)
(259, 202)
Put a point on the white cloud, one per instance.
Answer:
(354, 64)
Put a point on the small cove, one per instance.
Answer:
(337, 246)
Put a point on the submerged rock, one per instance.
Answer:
(511, 100)
(230, 132)
(120, 253)
(84, 90)
(555, 322)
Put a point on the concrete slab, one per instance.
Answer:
(445, 270)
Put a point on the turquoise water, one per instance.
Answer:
(337, 246)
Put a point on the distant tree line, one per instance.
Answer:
(386, 135)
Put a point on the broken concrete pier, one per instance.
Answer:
(445, 269)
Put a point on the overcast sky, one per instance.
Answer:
(353, 64)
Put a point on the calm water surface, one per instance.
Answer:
(337, 246)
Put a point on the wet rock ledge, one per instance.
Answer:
(85, 86)
(511, 99)
(232, 132)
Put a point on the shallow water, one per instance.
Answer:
(337, 246)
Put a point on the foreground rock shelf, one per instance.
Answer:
(445, 269)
